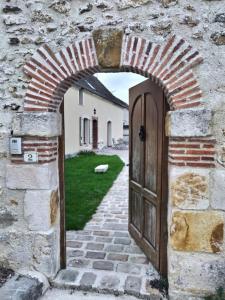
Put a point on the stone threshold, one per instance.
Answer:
(104, 282)
(21, 287)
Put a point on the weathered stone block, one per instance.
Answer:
(188, 123)
(128, 268)
(94, 246)
(95, 255)
(124, 4)
(198, 274)
(133, 284)
(54, 204)
(4, 145)
(45, 124)
(109, 282)
(122, 241)
(88, 279)
(190, 190)
(117, 257)
(75, 253)
(43, 177)
(46, 253)
(7, 218)
(5, 122)
(38, 209)
(68, 275)
(103, 265)
(217, 189)
(108, 45)
(21, 287)
(197, 231)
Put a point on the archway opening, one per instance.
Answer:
(104, 243)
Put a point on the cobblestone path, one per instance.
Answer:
(103, 257)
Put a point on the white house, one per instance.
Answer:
(94, 118)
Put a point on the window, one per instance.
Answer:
(81, 97)
(86, 131)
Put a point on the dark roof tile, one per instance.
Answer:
(93, 85)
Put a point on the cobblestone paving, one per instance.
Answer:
(103, 257)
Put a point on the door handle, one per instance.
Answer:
(142, 133)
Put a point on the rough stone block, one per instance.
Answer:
(79, 263)
(38, 209)
(189, 190)
(138, 259)
(94, 246)
(46, 252)
(114, 248)
(88, 279)
(189, 123)
(133, 284)
(68, 275)
(103, 265)
(7, 218)
(33, 177)
(21, 287)
(74, 253)
(44, 124)
(108, 43)
(73, 244)
(5, 122)
(95, 255)
(101, 168)
(109, 282)
(117, 257)
(122, 241)
(197, 231)
(195, 273)
(217, 189)
(4, 145)
(128, 268)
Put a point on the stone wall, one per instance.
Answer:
(36, 37)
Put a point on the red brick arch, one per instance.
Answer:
(170, 65)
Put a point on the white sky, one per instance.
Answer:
(119, 83)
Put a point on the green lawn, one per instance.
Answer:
(85, 189)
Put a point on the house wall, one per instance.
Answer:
(126, 116)
(37, 36)
(73, 111)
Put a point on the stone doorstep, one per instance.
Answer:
(106, 282)
(21, 287)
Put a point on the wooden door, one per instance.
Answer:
(95, 133)
(148, 172)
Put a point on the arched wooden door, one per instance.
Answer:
(148, 172)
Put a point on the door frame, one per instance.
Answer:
(62, 204)
(163, 216)
(162, 235)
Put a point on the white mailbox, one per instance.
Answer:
(30, 157)
(15, 145)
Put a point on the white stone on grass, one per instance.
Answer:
(101, 168)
